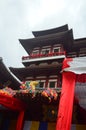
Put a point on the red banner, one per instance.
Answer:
(66, 101)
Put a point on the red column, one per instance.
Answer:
(66, 102)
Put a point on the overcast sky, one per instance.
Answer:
(19, 17)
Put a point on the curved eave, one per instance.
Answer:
(23, 73)
(6, 77)
(50, 31)
(78, 44)
(65, 38)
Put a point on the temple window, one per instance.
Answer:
(35, 52)
(42, 84)
(56, 49)
(45, 51)
(52, 83)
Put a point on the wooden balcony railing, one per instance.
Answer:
(43, 55)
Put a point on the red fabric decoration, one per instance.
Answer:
(65, 62)
(14, 104)
(66, 102)
(20, 120)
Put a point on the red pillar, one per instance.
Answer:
(66, 102)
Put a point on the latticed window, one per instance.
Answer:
(35, 52)
(52, 83)
(42, 83)
(45, 51)
(56, 49)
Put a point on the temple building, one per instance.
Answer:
(45, 55)
(39, 83)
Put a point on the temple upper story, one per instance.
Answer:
(47, 45)
(51, 45)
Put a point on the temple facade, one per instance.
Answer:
(46, 52)
(43, 67)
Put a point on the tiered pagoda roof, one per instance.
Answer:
(78, 48)
(60, 37)
(50, 31)
(41, 70)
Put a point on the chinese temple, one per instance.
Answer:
(49, 92)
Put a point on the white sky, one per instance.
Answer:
(18, 18)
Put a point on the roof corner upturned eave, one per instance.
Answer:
(66, 38)
(50, 31)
